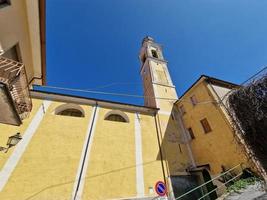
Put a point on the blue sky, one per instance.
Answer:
(93, 43)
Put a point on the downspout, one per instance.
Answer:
(86, 150)
(170, 194)
(160, 150)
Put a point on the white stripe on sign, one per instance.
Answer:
(139, 158)
(22, 145)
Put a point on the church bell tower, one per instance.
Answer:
(159, 90)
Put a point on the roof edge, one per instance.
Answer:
(90, 101)
(210, 79)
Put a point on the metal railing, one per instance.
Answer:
(215, 178)
(13, 75)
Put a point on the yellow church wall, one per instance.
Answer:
(48, 167)
(175, 153)
(169, 97)
(9, 130)
(217, 147)
(152, 166)
(111, 172)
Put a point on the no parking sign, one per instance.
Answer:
(161, 188)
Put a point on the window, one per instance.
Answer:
(71, 112)
(193, 100)
(173, 117)
(191, 133)
(154, 53)
(69, 109)
(4, 3)
(182, 109)
(206, 126)
(116, 118)
(180, 148)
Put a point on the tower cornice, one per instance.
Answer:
(149, 58)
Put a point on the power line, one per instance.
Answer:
(120, 94)
(263, 70)
(115, 83)
(141, 96)
(107, 93)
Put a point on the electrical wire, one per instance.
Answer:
(112, 84)
(141, 96)
(119, 94)
(106, 93)
(264, 68)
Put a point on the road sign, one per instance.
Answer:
(160, 188)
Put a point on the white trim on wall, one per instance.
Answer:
(20, 148)
(139, 158)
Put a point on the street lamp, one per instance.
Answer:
(12, 141)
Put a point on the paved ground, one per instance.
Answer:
(252, 192)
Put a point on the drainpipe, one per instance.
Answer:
(160, 150)
(159, 137)
(86, 150)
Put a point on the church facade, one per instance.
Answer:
(82, 148)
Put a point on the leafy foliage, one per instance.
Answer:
(242, 184)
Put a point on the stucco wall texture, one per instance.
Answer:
(49, 165)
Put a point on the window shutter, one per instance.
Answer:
(205, 124)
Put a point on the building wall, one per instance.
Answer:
(15, 30)
(48, 166)
(217, 147)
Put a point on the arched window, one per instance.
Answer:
(154, 53)
(69, 110)
(117, 116)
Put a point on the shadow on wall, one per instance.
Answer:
(173, 149)
(174, 153)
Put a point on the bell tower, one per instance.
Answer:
(159, 90)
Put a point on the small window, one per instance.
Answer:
(4, 3)
(172, 115)
(193, 100)
(71, 112)
(180, 148)
(115, 117)
(206, 126)
(154, 53)
(191, 133)
(182, 109)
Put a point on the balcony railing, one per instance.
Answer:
(13, 77)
